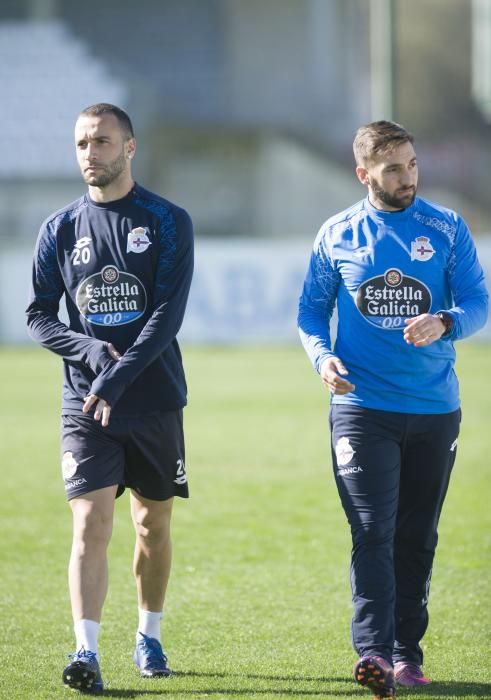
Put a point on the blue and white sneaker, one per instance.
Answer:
(149, 657)
(83, 673)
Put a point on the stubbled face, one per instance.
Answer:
(391, 178)
(102, 149)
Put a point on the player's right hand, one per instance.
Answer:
(102, 410)
(331, 369)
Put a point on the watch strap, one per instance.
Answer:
(447, 321)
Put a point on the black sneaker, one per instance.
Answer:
(83, 673)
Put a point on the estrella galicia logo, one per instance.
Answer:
(387, 300)
(111, 297)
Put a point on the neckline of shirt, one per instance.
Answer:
(389, 215)
(114, 202)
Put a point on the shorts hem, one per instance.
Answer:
(179, 493)
(70, 495)
(122, 488)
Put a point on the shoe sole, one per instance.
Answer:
(78, 677)
(416, 683)
(151, 674)
(154, 674)
(371, 675)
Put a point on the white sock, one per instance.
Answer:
(149, 623)
(87, 634)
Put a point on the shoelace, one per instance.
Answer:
(152, 650)
(83, 655)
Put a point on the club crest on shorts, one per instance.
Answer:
(421, 249)
(344, 451)
(138, 240)
(68, 465)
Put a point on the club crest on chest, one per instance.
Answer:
(138, 240)
(421, 249)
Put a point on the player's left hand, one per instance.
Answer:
(102, 409)
(423, 330)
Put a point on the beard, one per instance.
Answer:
(400, 199)
(106, 174)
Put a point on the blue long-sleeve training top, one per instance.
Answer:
(380, 268)
(125, 269)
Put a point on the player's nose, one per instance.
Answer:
(406, 179)
(91, 152)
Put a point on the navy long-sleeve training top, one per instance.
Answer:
(125, 269)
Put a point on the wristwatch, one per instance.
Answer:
(447, 321)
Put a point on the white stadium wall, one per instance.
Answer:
(244, 291)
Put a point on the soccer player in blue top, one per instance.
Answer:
(405, 278)
(122, 257)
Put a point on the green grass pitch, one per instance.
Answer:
(259, 600)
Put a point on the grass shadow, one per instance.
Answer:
(232, 692)
(446, 689)
(435, 690)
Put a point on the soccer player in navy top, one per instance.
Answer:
(405, 278)
(122, 258)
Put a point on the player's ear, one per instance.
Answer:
(130, 148)
(362, 174)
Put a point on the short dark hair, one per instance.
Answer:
(378, 137)
(106, 108)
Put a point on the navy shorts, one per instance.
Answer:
(144, 453)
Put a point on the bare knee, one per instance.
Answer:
(92, 524)
(152, 523)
